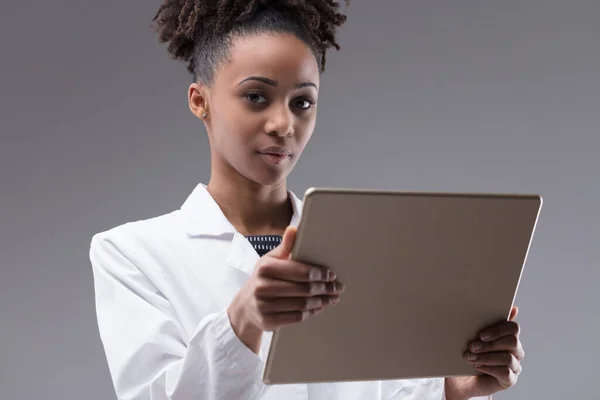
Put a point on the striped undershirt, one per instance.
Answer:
(264, 243)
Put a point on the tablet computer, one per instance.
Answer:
(424, 273)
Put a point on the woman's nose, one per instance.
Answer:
(280, 123)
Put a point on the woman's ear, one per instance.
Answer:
(198, 100)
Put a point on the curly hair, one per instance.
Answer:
(201, 32)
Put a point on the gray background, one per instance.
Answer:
(425, 95)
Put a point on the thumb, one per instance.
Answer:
(284, 249)
(513, 313)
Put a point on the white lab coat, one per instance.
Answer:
(162, 288)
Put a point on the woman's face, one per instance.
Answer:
(261, 108)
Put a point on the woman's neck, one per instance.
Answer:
(253, 209)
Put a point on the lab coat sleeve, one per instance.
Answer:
(423, 389)
(472, 398)
(150, 357)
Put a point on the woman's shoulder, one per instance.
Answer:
(153, 228)
(140, 234)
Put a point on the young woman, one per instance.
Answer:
(186, 302)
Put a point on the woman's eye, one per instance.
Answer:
(256, 98)
(304, 104)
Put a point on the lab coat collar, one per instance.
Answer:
(204, 217)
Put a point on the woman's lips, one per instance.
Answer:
(275, 155)
(274, 159)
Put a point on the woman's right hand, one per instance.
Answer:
(281, 292)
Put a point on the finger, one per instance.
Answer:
(270, 288)
(279, 305)
(496, 359)
(293, 271)
(284, 249)
(505, 376)
(510, 343)
(513, 313)
(273, 321)
(502, 329)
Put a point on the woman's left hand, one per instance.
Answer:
(497, 354)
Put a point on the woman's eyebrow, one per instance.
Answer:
(274, 83)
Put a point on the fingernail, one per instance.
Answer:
(340, 287)
(315, 274)
(476, 346)
(471, 357)
(485, 337)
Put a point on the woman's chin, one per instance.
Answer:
(272, 179)
(271, 175)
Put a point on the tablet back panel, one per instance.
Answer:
(424, 273)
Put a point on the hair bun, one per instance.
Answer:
(171, 28)
(187, 25)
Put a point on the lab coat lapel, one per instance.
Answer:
(242, 255)
(204, 218)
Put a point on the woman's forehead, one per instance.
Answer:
(280, 57)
